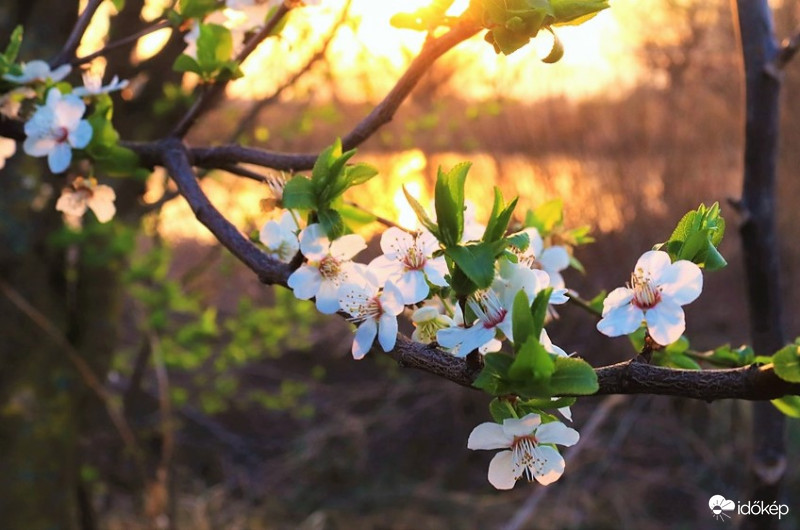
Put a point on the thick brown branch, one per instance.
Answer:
(176, 160)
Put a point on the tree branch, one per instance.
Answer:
(74, 40)
(788, 50)
(130, 39)
(212, 93)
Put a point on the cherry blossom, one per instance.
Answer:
(374, 310)
(407, 261)
(56, 128)
(7, 149)
(86, 193)
(552, 259)
(93, 85)
(530, 450)
(39, 72)
(427, 322)
(329, 266)
(280, 237)
(655, 294)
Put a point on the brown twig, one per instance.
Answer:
(84, 370)
(209, 96)
(74, 40)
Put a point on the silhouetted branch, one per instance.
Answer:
(130, 39)
(209, 96)
(67, 53)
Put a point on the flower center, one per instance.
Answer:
(645, 294)
(61, 134)
(488, 308)
(413, 259)
(330, 268)
(363, 309)
(525, 459)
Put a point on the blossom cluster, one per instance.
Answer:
(56, 126)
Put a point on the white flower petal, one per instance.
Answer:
(620, 320)
(314, 244)
(522, 426)
(347, 246)
(59, 158)
(556, 432)
(385, 268)
(554, 259)
(327, 298)
(665, 322)
(365, 336)
(536, 243)
(396, 242)
(305, 282)
(270, 234)
(102, 203)
(553, 465)
(38, 146)
(387, 332)
(392, 299)
(489, 435)
(682, 282)
(501, 471)
(436, 269)
(565, 411)
(617, 298)
(413, 286)
(69, 111)
(653, 262)
(79, 138)
(467, 339)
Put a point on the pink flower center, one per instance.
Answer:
(61, 134)
(488, 308)
(413, 259)
(646, 295)
(525, 459)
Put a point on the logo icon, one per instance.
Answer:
(719, 505)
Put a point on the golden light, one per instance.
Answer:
(151, 44)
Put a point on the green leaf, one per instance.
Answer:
(500, 410)
(359, 174)
(538, 404)
(596, 303)
(185, 63)
(696, 238)
(354, 217)
(492, 378)
(789, 405)
(573, 376)
(214, 47)
(674, 360)
(475, 260)
(533, 364)
(449, 202)
(520, 241)
(421, 214)
(556, 52)
(499, 218)
(726, 356)
(14, 43)
(298, 194)
(522, 324)
(119, 5)
(546, 217)
(423, 19)
(197, 8)
(574, 12)
(539, 311)
(787, 363)
(331, 222)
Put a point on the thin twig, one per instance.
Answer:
(575, 299)
(130, 39)
(252, 114)
(74, 40)
(83, 368)
(211, 93)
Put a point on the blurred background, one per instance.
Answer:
(246, 407)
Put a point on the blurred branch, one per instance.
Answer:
(130, 39)
(84, 370)
(67, 53)
(250, 117)
(211, 94)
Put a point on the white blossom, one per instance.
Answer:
(530, 449)
(408, 262)
(86, 193)
(427, 322)
(329, 266)
(552, 260)
(56, 128)
(280, 237)
(657, 290)
(93, 85)
(39, 72)
(374, 310)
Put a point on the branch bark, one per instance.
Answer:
(74, 40)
